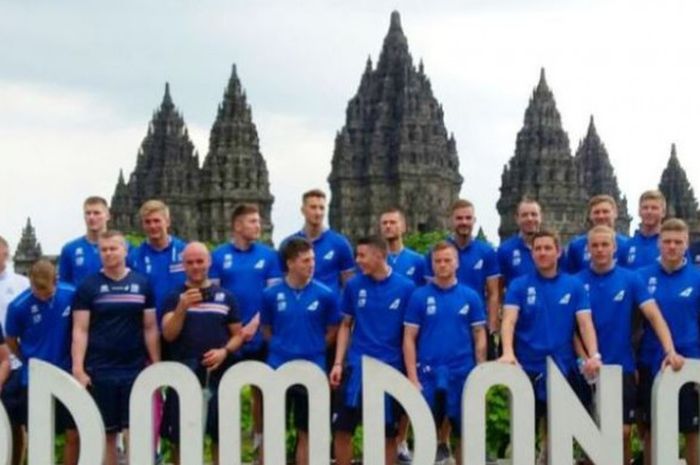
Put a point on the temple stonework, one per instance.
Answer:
(543, 168)
(394, 149)
(200, 200)
(28, 250)
(680, 198)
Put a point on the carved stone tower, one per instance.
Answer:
(544, 169)
(234, 170)
(28, 250)
(394, 149)
(680, 198)
(167, 168)
(598, 174)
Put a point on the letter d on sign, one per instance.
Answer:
(47, 382)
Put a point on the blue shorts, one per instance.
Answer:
(442, 391)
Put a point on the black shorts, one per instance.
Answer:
(629, 399)
(11, 396)
(687, 402)
(347, 418)
(170, 426)
(298, 407)
(112, 399)
(493, 347)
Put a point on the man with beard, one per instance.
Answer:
(515, 253)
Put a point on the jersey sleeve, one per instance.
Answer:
(514, 295)
(640, 292)
(234, 315)
(65, 266)
(582, 302)
(267, 309)
(346, 260)
(13, 323)
(477, 315)
(83, 297)
(491, 268)
(414, 310)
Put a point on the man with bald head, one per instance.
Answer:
(203, 326)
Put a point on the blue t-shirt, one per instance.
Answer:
(164, 268)
(298, 319)
(79, 258)
(116, 345)
(514, 258)
(334, 256)
(206, 324)
(408, 263)
(579, 258)
(43, 327)
(477, 264)
(641, 251)
(547, 309)
(378, 309)
(694, 253)
(615, 296)
(445, 318)
(246, 273)
(678, 296)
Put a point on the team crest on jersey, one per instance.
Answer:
(104, 288)
(587, 287)
(517, 259)
(686, 292)
(219, 297)
(281, 302)
(361, 298)
(34, 309)
(631, 254)
(464, 310)
(36, 318)
(531, 295)
(66, 311)
(411, 271)
(79, 251)
(430, 306)
(313, 306)
(619, 296)
(395, 304)
(260, 265)
(651, 285)
(566, 299)
(134, 289)
(228, 260)
(79, 260)
(479, 265)
(586, 254)
(329, 255)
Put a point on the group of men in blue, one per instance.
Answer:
(433, 317)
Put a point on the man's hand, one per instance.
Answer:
(508, 358)
(336, 375)
(190, 297)
(82, 378)
(674, 361)
(591, 367)
(415, 382)
(213, 358)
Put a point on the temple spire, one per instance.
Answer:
(28, 250)
(167, 99)
(680, 197)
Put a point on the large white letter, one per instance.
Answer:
(379, 379)
(522, 417)
(274, 385)
(47, 382)
(6, 435)
(568, 420)
(664, 410)
(182, 380)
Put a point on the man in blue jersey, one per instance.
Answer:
(643, 247)
(373, 305)
(159, 256)
(201, 323)
(602, 210)
(616, 294)
(446, 320)
(333, 252)
(12, 285)
(675, 285)
(245, 267)
(392, 225)
(542, 312)
(38, 326)
(115, 334)
(300, 319)
(514, 254)
(81, 257)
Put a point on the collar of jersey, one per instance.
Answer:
(539, 276)
(677, 270)
(451, 238)
(248, 250)
(164, 249)
(320, 236)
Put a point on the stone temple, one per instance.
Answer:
(394, 149)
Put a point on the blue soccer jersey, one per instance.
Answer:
(547, 309)
(514, 258)
(615, 296)
(163, 268)
(299, 319)
(246, 273)
(79, 258)
(477, 264)
(43, 327)
(579, 258)
(678, 296)
(641, 251)
(334, 256)
(206, 324)
(694, 253)
(408, 263)
(378, 309)
(115, 335)
(445, 318)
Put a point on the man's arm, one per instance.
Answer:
(266, 332)
(590, 342)
(13, 346)
(410, 333)
(4, 364)
(479, 335)
(81, 324)
(331, 335)
(510, 318)
(346, 275)
(150, 335)
(340, 348)
(213, 358)
(493, 302)
(173, 321)
(653, 314)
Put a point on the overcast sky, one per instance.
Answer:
(79, 82)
